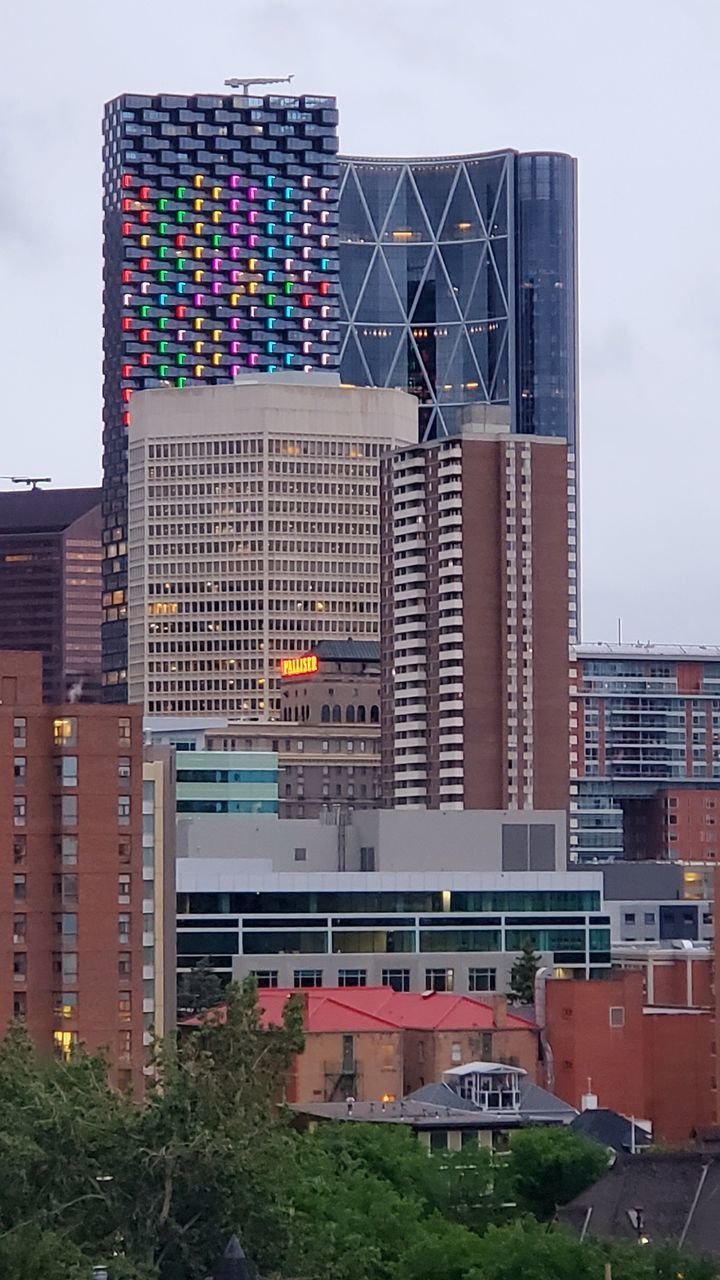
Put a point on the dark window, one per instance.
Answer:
(265, 977)
(352, 977)
(367, 858)
(307, 978)
(398, 979)
(350, 715)
(325, 714)
(482, 979)
(337, 714)
(439, 979)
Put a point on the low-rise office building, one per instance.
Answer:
(438, 931)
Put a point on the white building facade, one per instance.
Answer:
(254, 533)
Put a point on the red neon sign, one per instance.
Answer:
(304, 665)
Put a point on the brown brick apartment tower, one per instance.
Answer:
(71, 870)
(477, 605)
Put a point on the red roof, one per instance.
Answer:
(351, 1009)
(380, 1008)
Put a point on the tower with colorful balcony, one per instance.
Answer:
(220, 256)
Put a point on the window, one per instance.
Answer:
(66, 770)
(336, 714)
(124, 964)
(69, 890)
(307, 978)
(617, 1016)
(123, 768)
(125, 1043)
(19, 888)
(123, 811)
(19, 810)
(367, 858)
(19, 1004)
(352, 977)
(439, 979)
(20, 966)
(649, 917)
(124, 929)
(123, 889)
(124, 852)
(19, 930)
(19, 850)
(64, 1043)
(397, 979)
(66, 849)
(20, 731)
(301, 855)
(20, 768)
(69, 966)
(124, 738)
(66, 808)
(68, 925)
(125, 1006)
(265, 977)
(65, 1004)
(482, 980)
(65, 732)
(325, 714)
(456, 1052)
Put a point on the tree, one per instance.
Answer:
(549, 1166)
(523, 974)
(199, 990)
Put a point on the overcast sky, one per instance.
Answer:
(631, 87)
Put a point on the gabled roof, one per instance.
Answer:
(676, 1194)
(611, 1130)
(349, 1009)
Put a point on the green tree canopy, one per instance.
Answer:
(153, 1190)
(523, 974)
(552, 1165)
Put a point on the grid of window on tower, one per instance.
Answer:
(220, 257)
(228, 250)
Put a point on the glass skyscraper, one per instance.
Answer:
(458, 284)
(220, 256)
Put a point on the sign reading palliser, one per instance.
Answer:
(306, 664)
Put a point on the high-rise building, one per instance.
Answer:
(645, 773)
(458, 283)
(50, 585)
(477, 604)
(76, 914)
(219, 242)
(254, 533)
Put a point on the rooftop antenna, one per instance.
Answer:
(33, 481)
(240, 82)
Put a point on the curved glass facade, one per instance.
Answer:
(458, 284)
